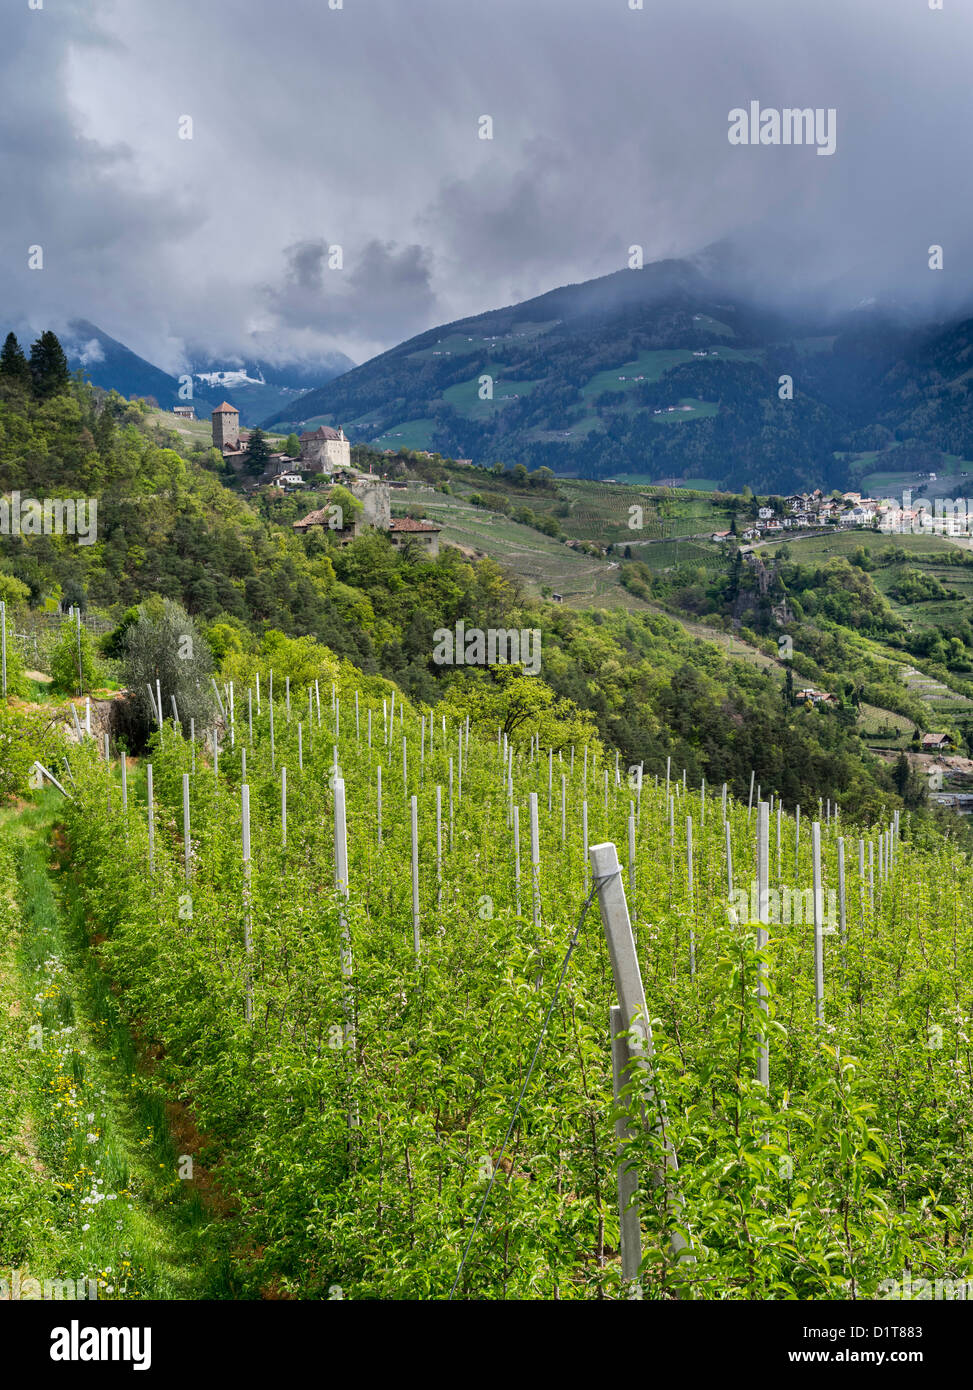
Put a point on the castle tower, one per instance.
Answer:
(226, 426)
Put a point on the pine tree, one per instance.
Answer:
(48, 366)
(13, 363)
(258, 451)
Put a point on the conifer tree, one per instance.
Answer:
(13, 363)
(48, 366)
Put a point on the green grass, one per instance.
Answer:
(462, 344)
(97, 1192)
(465, 396)
(410, 434)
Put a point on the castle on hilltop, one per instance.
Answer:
(324, 450)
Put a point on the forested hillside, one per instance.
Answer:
(168, 526)
(665, 371)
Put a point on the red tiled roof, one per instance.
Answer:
(408, 523)
(222, 409)
(323, 432)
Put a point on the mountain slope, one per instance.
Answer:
(663, 373)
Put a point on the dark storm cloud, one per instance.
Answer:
(385, 292)
(609, 129)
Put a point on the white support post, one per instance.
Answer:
(584, 842)
(729, 861)
(300, 746)
(631, 1002)
(413, 814)
(186, 840)
(628, 1183)
(843, 921)
(439, 847)
(247, 939)
(151, 806)
(818, 922)
(564, 810)
(283, 807)
(3, 649)
(124, 762)
(692, 900)
(535, 861)
(631, 860)
(517, 859)
(750, 797)
(378, 798)
(763, 901)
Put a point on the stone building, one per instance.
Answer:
(426, 533)
(226, 427)
(324, 450)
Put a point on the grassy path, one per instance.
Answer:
(92, 1186)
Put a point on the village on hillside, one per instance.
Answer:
(325, 458)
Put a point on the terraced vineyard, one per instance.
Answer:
(353, 939)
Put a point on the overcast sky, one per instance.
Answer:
(358, 127)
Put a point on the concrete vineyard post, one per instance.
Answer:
(564, 811)
(250, 714)
(247, 940)
(729, 861)
(283, 807)
(124, 762)
(347, 965)
(300, 746)
(270, 703)
(631, 859)
(258, 694)
(535, 861)
(635, 1016)
(841, 890)
(186, 842)
(151, 809)
(413, 814)
(818, 922)
(3, 649)
(451, 803)
(378, 799)
(584, 842)
(763, 901)
(517, 859)
(439, 846)
(287, 697)
(692, 905)
(628, 1183)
